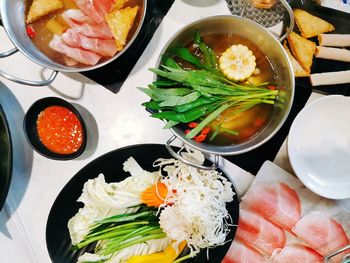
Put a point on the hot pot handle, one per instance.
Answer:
(24, 81)
(30, 82)
(8, 53)
(290, 13)
(184, 160)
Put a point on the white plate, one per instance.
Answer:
(319, 146)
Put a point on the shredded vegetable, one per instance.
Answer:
(198, 214)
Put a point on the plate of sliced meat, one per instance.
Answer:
(282, 221)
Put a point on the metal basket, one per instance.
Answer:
(280, 12)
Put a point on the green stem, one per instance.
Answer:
(182, 258)
(133, 242)
(119, 227)
(207, 120)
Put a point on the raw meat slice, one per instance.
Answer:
(240, 253)
(80, 55)
(85, 26)
(321, 232)
(276, 202)
(104, 47)
(95, 9)
(296, 254)
(259, 233)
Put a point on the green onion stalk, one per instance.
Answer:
(123, 230)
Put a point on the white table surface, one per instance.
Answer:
(114, 120)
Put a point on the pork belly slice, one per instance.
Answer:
(77, 20)
(240, 253)
(83, 56)
(277, 202)
(259, 233)
(95, 9)
(322, 233)
(296, 253)
(103, 47)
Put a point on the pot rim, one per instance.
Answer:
(63, 68)
(225, 150)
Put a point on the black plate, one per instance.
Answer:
(111, 165)
(340, 20)
(5, 158)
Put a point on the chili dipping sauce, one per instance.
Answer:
(60, 130)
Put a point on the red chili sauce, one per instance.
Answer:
(60, 130)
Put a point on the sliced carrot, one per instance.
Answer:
(155, 195)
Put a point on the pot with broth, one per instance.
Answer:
(82, 33)
(70, 35)
(223, 84)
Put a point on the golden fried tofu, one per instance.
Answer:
(298, 70)
(302, 49)
(40, 8)
(310, 25)
(120, 23)
(118, 4)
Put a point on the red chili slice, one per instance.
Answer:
(192, 124)
(200, 137)
(30, 31)
(205, 130)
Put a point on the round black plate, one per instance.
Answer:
(111, 165)
(5, 158)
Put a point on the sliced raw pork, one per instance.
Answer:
(322, 233)
(276, 202)
(296, 254)
(83, 56)
(104, 47)
(77, 20)
(240, 253)
(259, 233)
(95, 9)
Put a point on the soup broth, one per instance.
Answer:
(247, 123)
(43, 35)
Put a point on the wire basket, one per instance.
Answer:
(279, 12)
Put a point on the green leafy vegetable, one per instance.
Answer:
(201, 95)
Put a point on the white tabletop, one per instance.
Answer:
(114, 120)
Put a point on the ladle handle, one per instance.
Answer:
(24, 81)
(178, 156)
(290, 13)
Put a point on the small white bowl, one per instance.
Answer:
(319, 146)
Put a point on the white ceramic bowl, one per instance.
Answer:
(319, 146)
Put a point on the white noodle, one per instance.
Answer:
(198, 214)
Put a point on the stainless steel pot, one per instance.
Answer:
(272, 48)
(13, 19)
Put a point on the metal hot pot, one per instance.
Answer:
(13, 19)
(270, 46)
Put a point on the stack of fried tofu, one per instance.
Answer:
(303, 49)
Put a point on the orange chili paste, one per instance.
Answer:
(59, 130)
